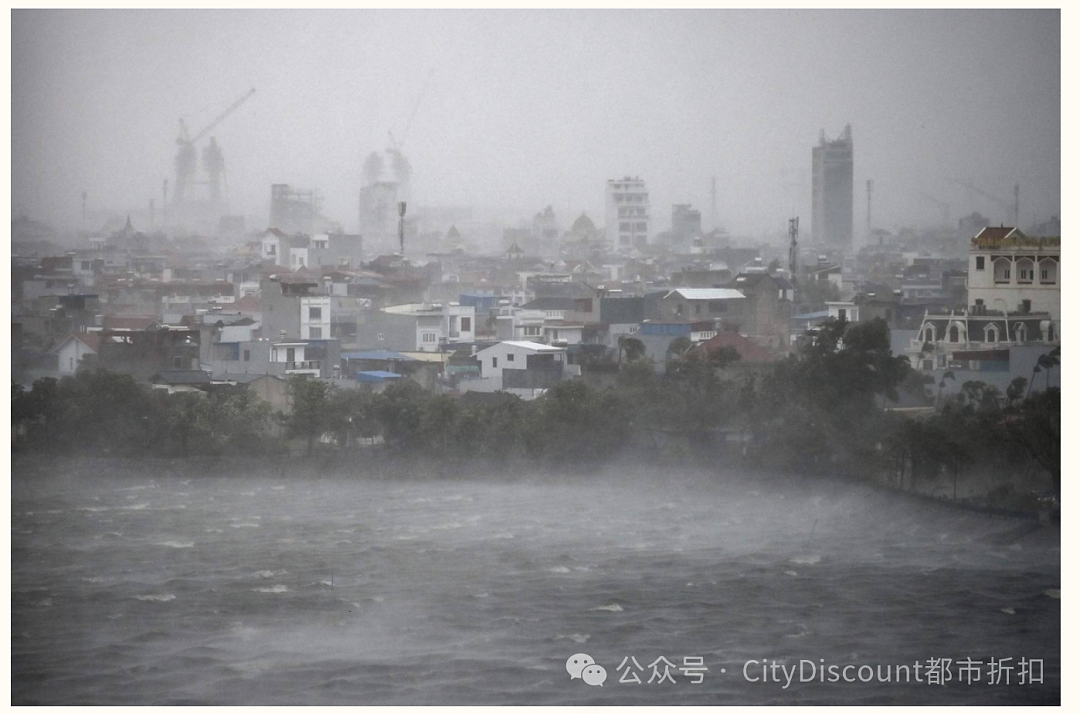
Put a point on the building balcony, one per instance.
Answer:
(311, 366)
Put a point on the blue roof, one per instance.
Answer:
(377, 355)
(376, 376)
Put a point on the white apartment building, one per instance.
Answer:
(435, 326)
(315, 318)
(627, 214)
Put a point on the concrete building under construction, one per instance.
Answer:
(294, 210)
(833, 187)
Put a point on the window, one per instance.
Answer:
(428, 337)
(624, 226)
(954, 333)
(271, 249)
(177, 362)
(1025, 306)
(314, 333)
(494, 362)
(843, 314)
(466, 324)
(381, 336)
(1045, 274)
(980, 263)
(991, 333)
(314, 313)
(247, 355)
(510, 357)
(532, 331)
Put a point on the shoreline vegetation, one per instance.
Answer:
(821, 412)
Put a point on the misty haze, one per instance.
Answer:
(506, 357)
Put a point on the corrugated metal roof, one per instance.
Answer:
(525, 344)
(706, 293)
(376, 376)
(377, 355)
(183, 376)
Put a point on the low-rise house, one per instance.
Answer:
(523, 368)
(749, 353)
(182, 380)
(765, 315)
(374, 360)
(377, 380)
(143, 353)
(694, 304)
(70, 352)
(417, 327)
(271, 388)
(662, 338)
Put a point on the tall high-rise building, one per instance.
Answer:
(685, 221)
(833, 189)
(627, 215)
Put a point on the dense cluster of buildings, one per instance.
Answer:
(303, 298)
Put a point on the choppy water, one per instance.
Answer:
(155, 589)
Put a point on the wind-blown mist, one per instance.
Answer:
(289, 589)
(526, 109)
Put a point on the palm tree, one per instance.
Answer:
(1046, 362)
(678, 346)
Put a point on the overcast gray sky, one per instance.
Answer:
(526, 109)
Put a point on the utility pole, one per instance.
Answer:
(401, 227)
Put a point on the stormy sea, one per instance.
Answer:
(152, 584)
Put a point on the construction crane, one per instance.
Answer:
(1012, 206)
(402, 167)
(946, 218)
(186, 155)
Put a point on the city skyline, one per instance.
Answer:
(493, 112)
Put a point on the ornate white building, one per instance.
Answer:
(1010, 271)
(1014, 298)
